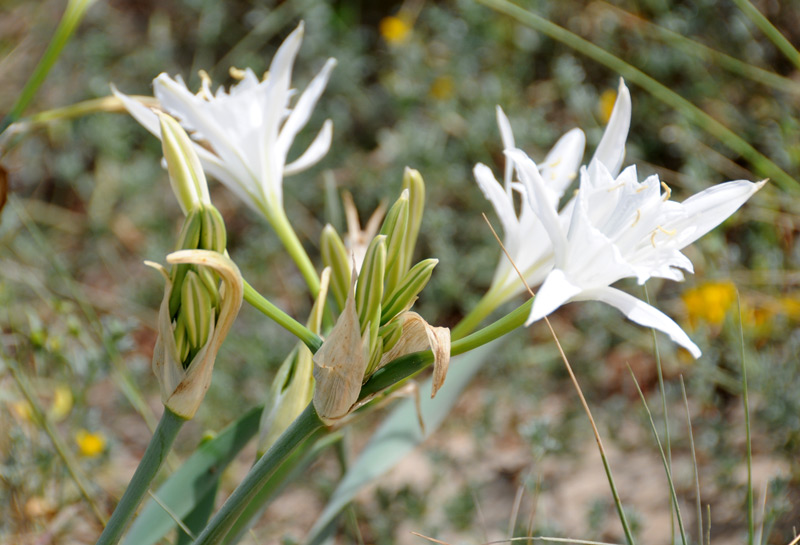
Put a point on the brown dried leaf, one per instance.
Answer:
(340, 363)
(420, 335)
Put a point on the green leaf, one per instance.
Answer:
(398, 436)
(189, 485)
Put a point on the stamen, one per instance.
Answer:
(667, 191)
(205, 85)
(265, 76)
(670, 233)
(638, 217)
(236, 73)
(610, 189)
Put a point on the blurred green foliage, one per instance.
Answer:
(95, 189)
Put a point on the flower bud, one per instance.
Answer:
(185, 171)
(395, 227)
(370, 283)
(334, 255)
(408, 289)
(187, 345)
(412, 181)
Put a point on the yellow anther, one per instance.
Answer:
(610, 189)
(667, 191)
(236, 73)
(265, 77)
(638, 217)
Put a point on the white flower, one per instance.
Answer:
(243, 135)
(525, 237)
(619, 228)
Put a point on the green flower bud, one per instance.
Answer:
(212, 233)
(395, 228)
(187, 345)
(197, 309)
(408, 289)
(370, 283)
(335, 256)
(390, 333)
(412, 181)
(185, 172)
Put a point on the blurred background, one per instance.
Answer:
(416, 85)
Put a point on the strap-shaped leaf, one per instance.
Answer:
(187, 486)
(398, 435)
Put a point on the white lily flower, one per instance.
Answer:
(620, 228)
(243, 135)
(558, 170)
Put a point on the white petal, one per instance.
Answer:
(711, 207)
(316, 151)
(507, 136)
(196, 114)
(141, 113)
(611, 150)
(303, 109)
(643, 314)
(540, 199)
(561, 165)
(495, 194)
(555, 291)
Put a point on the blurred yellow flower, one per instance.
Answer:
(62, 403)
(90, 444)
(709, 302)
(395, 30)
(606, 104)
(23, 410)
(442, 88)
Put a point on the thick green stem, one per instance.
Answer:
(160, 445)
(311, 339)
(306, 426)
(405, 366)
(285, 232)
(479, 312)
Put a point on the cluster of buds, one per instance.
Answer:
(203, 289)
(375, 296)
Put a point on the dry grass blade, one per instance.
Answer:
(663, 458)
(795, 541)
(694, 463)
(532, 538)
(617, 502)
(750, 507)
(172, 515)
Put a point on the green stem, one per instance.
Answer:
(154, 456)
(69, 21)
(405, 366)
(306, 426)
(311, 339)
(663, 93)
(283, 228)
(487, 305)
(771, 32)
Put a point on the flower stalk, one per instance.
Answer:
(157, 450)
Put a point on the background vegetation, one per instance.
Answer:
(88, 202)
